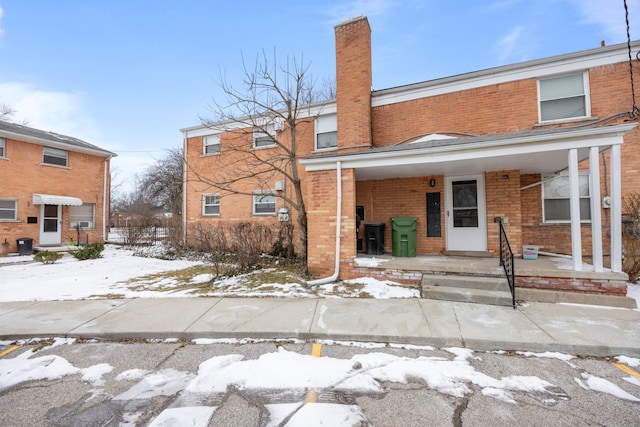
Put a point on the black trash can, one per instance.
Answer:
(374, 237)
(25, 246)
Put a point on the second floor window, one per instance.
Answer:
(212, 144)
(555, 199)
(264, 137)
(3, 147)
(211, 204)
(563, 97)
(326, 132)
(53, 156)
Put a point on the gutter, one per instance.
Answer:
(334, 276)
(184, 187)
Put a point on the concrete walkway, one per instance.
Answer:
(538, 327)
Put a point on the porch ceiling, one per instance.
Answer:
(537, 151)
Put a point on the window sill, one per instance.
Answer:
(211, 215)
(9, 220)
(4, 158)
(324, 150)
(264, 147)
(562, 121)
(55, 166)
(210, 154)
(264, 214)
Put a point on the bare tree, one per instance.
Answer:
(269, 105)
(163, 182)
(6, 112)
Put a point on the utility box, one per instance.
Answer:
(374, 236)
(403, 236)
(25, 246)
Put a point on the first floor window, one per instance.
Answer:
(264, 204)
(3, 147)
(555, 196)
(53, 156)
(212, 144)
(8, 209)
(211, 204)
(83, 216)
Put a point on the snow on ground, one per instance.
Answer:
(121, 273)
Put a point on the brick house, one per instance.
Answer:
(546, 147)
(50, 185)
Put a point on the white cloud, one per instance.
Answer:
(507, 45)
(59, 112)
(611, 17)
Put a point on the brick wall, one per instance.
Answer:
(22, 174)
(353, 84)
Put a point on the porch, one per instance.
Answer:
(545, 279)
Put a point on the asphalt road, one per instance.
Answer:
(100, 391)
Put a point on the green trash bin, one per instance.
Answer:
(403, 236)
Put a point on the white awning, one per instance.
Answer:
(49, 199)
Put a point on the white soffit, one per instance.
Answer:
(50, 199)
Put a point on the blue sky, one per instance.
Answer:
(126, 75)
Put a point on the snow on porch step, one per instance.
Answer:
(476, 289)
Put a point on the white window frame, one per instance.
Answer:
(81, 215)
(5, 209)
(210, 200)
(264, 137)
(55, 153)
(327, 124)
(211, 141)
(3, 148)
(583, 177)
(257, 196)
(585, 94)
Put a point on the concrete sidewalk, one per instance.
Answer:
(537, 327)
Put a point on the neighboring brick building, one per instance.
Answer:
(49, 185)
(527, 143)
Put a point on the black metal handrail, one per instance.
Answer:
(506, 261)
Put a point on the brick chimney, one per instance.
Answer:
(353, 84)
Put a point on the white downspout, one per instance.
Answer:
(333, 277)
(105, 235)
(184, 188)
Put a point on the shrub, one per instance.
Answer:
(90, 251)
(48, 257)
(631, 236)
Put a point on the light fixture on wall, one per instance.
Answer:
(505, 176)
(432, 182)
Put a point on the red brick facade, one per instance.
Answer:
(477, 104)
(23, 174)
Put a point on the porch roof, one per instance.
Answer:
(51, 199)
(535, 151)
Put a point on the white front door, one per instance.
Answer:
(50, 225)
(466, 213)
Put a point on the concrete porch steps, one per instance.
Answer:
(490, 290)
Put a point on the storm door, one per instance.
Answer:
(466, 213)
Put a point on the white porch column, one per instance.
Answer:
(616, 210)
(596, 213)
(574, 204)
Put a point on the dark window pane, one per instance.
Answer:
(50, 224)
(465, 218)
(465, 194)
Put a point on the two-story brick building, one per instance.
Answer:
(548, 147)
(51, 185)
